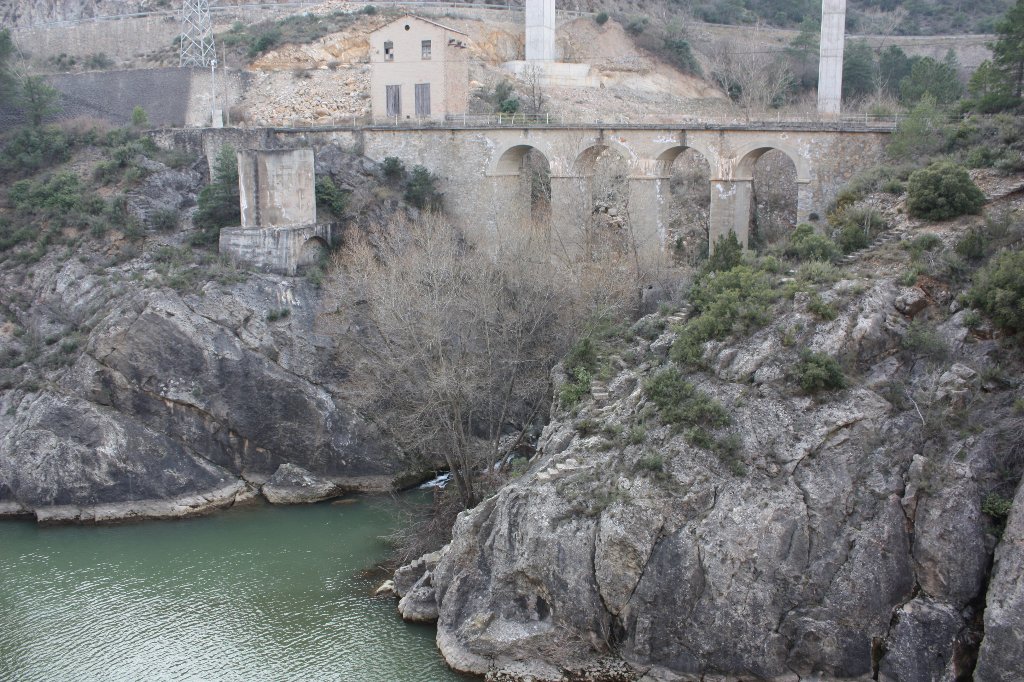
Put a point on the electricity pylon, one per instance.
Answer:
(196, 34)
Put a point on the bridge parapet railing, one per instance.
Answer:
(521, 120)
(492, 121)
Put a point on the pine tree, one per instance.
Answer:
(1008, 50)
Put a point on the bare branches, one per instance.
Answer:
(756, 80)
(455, 344)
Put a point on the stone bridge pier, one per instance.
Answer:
(488, 194)
(823, 160)
(279, 230)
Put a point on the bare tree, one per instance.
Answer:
(756, 79)
(456, 344)
(532, 79)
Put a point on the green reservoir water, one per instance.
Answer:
(257, 593)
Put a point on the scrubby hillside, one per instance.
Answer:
(806, 469)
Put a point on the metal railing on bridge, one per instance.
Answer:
(848, 122)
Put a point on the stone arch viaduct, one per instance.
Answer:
(480, 166)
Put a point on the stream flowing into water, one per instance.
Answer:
(255, 593)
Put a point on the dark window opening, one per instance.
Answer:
(425, 49)
(389, 51)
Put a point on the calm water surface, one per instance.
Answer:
(259, 593)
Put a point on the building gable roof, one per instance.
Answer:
(426, 21)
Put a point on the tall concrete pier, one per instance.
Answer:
(540, 30)
(279, 231)
(830, 57)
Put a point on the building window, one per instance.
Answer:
(425, 49)
(389, 51)
(393, 95)
(423, 100)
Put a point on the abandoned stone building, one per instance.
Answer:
(419, 70)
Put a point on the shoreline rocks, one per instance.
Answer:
(291, 484)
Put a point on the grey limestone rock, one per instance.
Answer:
(292, 484)
(921, 643)
(68, 459)
(410, 574)
(831, 550)
(419, 604)
(1001, 657)
(911, 301)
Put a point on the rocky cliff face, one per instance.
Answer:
(846, 539)
(137, 385)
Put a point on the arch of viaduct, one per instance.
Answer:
(480, 167)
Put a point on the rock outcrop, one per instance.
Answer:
(846, 540)
(124, 397)
(292, 484)
(1002, 649)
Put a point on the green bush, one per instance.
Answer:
(921, 133)
(818, 273)
(735, 301)
(61, 198)
(942, 190)
(264, 42)
(393, 168)
(275, 314)
(681, 56)
(818, 372)
(855, 228)
(922, 340)
(996, 506)
(637, 25)
(28, 150)
(648, 328)
(821, 308)
(999, 290)
(726, 255)
(11, 236)
(973, 245)
(139, 117)
(805, 245)
(582, 354)
(680, 404)
(98, 60)
(919, 245)
(601, 18)
(218, 204)
(421, 191)
(164, 220)
(651, 463)
(509, 106)
(576, 386)
(329, 197)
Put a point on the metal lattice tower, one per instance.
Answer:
(196, 34)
